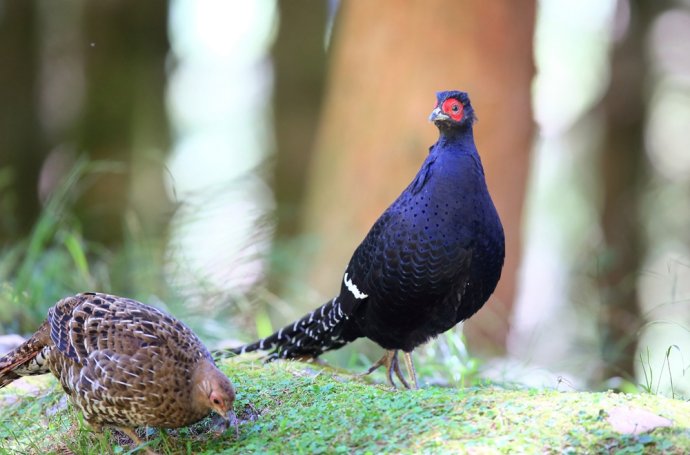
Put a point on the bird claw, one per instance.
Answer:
(390, 361)
(137, 441)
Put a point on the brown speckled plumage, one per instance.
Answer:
(123, 363)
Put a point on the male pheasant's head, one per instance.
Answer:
(453, 111)
(213, 391)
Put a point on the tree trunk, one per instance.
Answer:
(623, 173)
(299, 57)
(389, 60)
(124, 118)
(21, 151)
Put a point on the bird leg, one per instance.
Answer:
(395, 366)
(390, 360)
(136, 440)
(410, 369)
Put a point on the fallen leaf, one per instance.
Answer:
(629, 420)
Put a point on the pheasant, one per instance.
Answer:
(429, 262)
(124, 364)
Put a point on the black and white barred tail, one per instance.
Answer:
(323, 329)
(27, 359)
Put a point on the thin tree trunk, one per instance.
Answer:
(21, 153)
(124, 118)
(389, 60)
(299, 57)
(623, 175)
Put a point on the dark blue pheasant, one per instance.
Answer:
(429, 262)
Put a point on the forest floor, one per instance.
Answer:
(289, 407)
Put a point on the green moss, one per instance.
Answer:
(309, 409)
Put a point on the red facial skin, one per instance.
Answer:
(453, 108)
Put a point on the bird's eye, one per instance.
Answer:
(453, 108)
(216, 401)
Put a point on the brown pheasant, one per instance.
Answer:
(124, 364)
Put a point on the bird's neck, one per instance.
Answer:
(457, 145)
(458, 139)
(202, 384)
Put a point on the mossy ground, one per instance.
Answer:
(300, 408)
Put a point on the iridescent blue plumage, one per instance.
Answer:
(430, 261)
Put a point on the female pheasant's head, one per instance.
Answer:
(452, 111)
(213, 391)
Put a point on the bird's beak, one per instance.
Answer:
(227, 419)
(438, 116)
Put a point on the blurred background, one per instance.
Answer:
(223, 159)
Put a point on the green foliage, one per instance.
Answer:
(45, 265)
(55, 260)
(447, 361)
(290, 407)
(649, 372)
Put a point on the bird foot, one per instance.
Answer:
(390, 361)
(137, 441)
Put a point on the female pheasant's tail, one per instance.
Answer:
(27, 359)
(323, 329)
